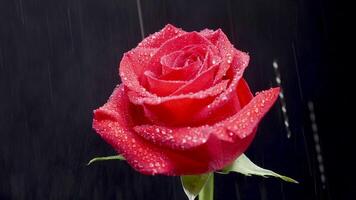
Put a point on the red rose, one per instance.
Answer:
(182, 107)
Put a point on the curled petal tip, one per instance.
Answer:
(276, 90)
(169, 26)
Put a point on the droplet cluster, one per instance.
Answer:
(155, 100)
(243, 123)
(175, 138)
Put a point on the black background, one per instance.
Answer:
(58, 62)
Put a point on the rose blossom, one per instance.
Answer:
(182, 107)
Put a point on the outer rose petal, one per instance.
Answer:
(206, 32)
(225, 105)
(246, 120)
(243, 92)
(177, 110)
(157, 39)
(139, 58)
(129, 77)
(218, 144)
(112, 121)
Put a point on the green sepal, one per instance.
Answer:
(193, 184)
(116, 157)
(245, 166)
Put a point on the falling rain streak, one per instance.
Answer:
(139, 11)
(282, 100)
(317, 143)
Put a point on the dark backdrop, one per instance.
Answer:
(58, 62)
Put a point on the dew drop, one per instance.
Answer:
(224, 98)
(213, 61)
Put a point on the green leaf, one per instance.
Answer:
(207, 193)
(193, 184)
(245, 166)
(116, 157)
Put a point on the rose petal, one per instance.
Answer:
(162, 87)
(157, 39)
(226, 50)
(135, 97)
(168, 61)
(176, 110)
(206, 32)
(175, 138)
(245, 121)
(218, 110)
(243, 92)
(190, 53)
(131, 68)
(183, 73)
(178, 66)
(225, 105)
(139, 58)
(200, 82)
(197, 143)
(112, 122)
(211, 58)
